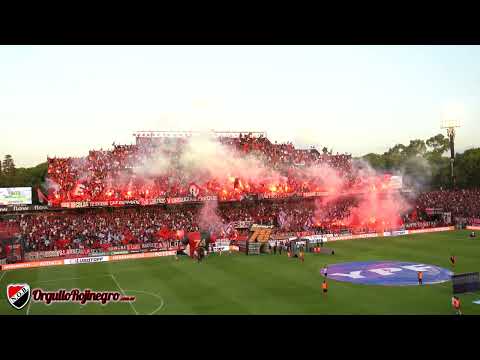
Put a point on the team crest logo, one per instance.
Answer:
(18, 295)
(194, 190)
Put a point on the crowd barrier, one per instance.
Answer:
(162, 246)
(473, 227)
(390, 233)
(87, 260)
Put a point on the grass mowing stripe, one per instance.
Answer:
(70, 279)
(3, 274)
(209, 295)
(123, 292)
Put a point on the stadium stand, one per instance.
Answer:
(107, 175)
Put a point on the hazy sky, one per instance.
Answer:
(65, 100)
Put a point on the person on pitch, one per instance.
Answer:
(325, 271)
(302, 255)
(325, 287)
(456, 305)
(453, 259)
(420, 277)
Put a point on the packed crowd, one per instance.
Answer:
(94, 228)
(461, 203)
(285, 154)
(113, 174)
(97, 228)
(103, 228)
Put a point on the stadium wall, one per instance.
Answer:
(87, 260)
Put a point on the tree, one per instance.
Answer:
(467, 168)
(26, 177)
(416, 148)
(8, 166)
(395, 157)
(325, 150)
(438, 144)
(421, 162)
(375, 160)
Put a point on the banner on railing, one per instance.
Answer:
(241, 224)
(37, 255)
(86, 260)
(22, 208)
(421, 231)
(315, 194)
(193, 199)
(276, 195)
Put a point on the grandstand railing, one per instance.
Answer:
(184, 134)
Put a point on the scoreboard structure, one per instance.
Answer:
(466, 283)
(16, 196)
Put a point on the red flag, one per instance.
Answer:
(164, 233)
(193, 240)
(128, 237)
(79, 189)
(179, 234)
(213, 237)
(414, 215)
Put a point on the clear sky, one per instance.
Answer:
(65, 100)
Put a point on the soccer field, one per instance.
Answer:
(265, 284)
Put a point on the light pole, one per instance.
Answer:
(451, 125)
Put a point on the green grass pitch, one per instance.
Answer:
(265, 284)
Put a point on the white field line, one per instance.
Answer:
(162, 305)
(28, 307)
(123, 292)
(3, 274)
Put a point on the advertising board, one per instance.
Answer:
(16, 196)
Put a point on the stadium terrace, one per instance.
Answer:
(153, 170)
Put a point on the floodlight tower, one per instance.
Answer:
(451, 125)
